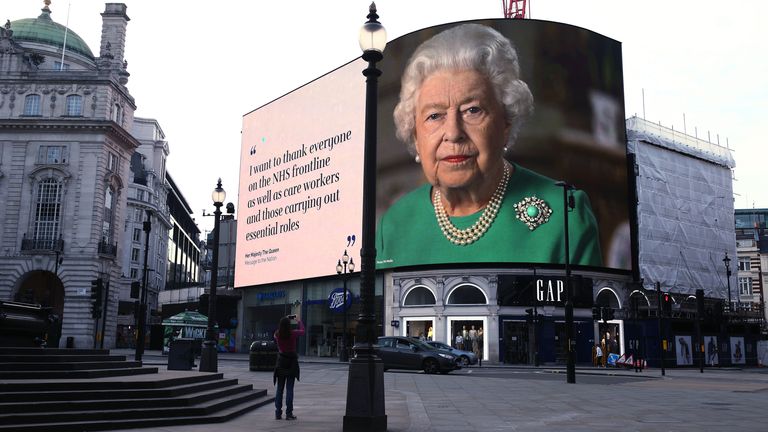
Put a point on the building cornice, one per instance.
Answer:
(107, 127)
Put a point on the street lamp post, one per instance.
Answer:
(727, 262)
(365, 382)
(345, 266)
(570, 368)
(142, 313)
(208, 353)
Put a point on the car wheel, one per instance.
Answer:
(463, 361)
(431, 366)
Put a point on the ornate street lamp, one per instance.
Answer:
(727, 262)
(365, 382)
(570, 368)
(142, 312)
(345, 266)
(208, 353)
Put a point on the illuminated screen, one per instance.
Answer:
(300, 202)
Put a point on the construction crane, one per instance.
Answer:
(515, 9)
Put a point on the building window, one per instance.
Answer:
(117, 114)
(32, 105)
(48, 209)
(134, 273)
(419, 296)
(744, 264)
(112, 162)
(135, 255)
(74, 105)
(137, 234)
(467, 294)
(59, 66)
(745, 286)
(106, 225)
(52, 154)
(139, 194)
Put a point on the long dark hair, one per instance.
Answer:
(284, 329)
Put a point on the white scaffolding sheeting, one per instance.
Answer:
(685, 209)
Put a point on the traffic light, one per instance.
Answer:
(666, 304)
(595, 313)
(97, 291)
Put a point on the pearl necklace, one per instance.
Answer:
(463, 237)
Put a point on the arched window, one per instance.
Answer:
(467, 294)
(606, 297)
(48, 210)
(74, 105)
(419, 296)
(32, 105)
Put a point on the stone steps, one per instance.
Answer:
(58, 391)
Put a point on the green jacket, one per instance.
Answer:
(408, 233)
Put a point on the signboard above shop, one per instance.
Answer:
(543, 290)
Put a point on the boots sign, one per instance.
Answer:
(543, 290)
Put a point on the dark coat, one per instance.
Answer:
(287, 366)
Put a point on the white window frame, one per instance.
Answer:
(48, 209)
(74, 105)
(745, 264)
(745, 286)
(406, 320)
(32, 104)
(47, 154)
(449, 323)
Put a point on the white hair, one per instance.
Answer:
(467, 46)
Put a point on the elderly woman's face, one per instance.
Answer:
(460, 130)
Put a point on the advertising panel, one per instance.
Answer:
(495, 117)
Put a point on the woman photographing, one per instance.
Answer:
(287, 368)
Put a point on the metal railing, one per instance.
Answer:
(106, 248)
(53, 245)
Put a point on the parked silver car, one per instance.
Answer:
(463, 358)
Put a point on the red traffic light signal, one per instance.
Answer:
(666, 303)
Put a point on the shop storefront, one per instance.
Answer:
(319, 303)
(514, 317)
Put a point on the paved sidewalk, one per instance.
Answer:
(525, 399)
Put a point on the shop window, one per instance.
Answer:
(467, 294)
(419, 296)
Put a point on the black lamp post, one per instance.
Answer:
(208, 353)
(142, 312)
(570, 367)
(365, 382)
(346, 265)
(727, 262)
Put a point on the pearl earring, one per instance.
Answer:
(417, 159)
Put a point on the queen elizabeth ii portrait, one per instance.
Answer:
(461, 105)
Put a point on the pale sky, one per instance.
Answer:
(198, 67)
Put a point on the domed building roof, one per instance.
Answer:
(44, 30)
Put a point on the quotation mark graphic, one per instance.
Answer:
(253, 148)
(350, 240)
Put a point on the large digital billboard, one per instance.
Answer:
(477, 121)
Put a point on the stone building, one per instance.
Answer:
(65, 151)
